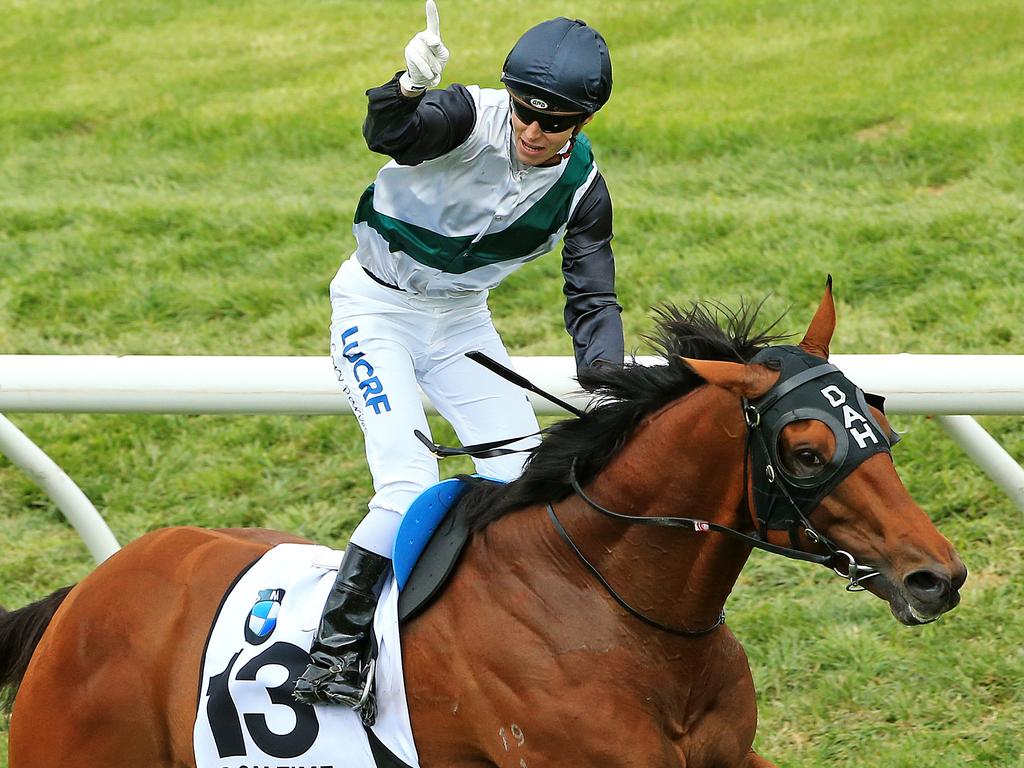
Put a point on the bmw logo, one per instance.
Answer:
(262, 618)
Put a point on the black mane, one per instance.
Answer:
(625, 396)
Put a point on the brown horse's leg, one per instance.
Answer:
(114, 681)
(754, 760)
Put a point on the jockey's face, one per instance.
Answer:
(534, 146)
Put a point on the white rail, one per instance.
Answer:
(988, 453)
(68, 497)
(947, 386)
(922, 384)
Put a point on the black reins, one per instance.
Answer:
(834, 558)
(696, 525)
(692, 525)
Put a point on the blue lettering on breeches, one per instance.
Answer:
(369, 384)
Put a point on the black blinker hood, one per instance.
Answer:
(808, 388)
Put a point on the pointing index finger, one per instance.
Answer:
(433, 22)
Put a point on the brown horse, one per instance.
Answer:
(584, 624)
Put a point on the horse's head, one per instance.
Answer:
(821, 469)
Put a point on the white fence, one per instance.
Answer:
(950, 387)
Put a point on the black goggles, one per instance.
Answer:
(548, 122)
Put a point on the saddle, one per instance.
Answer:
(430, 541)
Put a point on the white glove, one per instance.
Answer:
(425, 55)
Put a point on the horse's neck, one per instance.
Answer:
(686, 461)
(525, 615)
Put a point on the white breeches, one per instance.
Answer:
(385, 341)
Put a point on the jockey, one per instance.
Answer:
(481, 181)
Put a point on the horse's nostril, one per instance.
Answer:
(927, 585)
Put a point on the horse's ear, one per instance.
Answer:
(746, 380)
(819, 333)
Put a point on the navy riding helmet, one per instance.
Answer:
(561, 65)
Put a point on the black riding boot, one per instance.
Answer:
(341, 649)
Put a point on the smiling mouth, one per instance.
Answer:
(530, 147)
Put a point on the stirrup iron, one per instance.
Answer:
(371, 671)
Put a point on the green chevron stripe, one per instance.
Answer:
(457, 255)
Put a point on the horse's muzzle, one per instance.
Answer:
(926, 593)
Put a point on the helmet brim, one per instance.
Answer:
(543, 99)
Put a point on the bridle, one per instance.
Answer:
(855, 574)
(775, 505)
(780, 501)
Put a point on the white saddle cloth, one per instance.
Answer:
(259, 644)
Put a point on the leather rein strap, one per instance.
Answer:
(618, 598)
(694, 525)
(833, 559)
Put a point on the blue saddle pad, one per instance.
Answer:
(419, 523)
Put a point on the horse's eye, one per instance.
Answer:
(805, 448)
(810, 458)
(804, 462)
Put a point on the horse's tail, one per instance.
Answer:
(20, 632)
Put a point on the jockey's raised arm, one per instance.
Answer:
(480, 182)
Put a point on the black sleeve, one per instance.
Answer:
(592, 311)
(411, 129)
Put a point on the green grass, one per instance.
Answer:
(179, 178)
